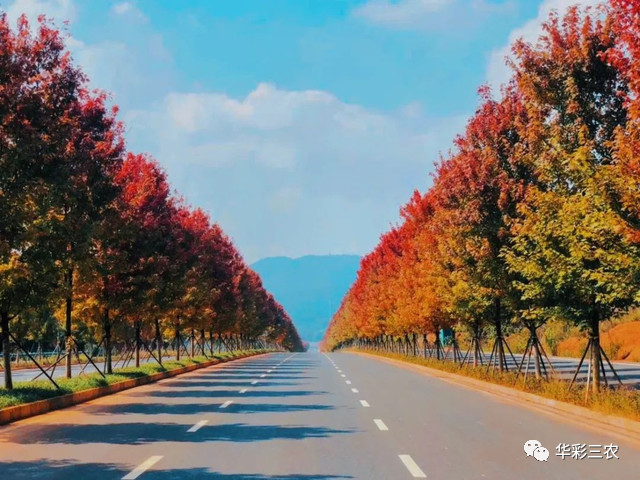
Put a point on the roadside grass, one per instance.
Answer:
(27, 392)
(622, 402)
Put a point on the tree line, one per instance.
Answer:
(92, 235)
(533, 215)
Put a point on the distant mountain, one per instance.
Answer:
(310, 288)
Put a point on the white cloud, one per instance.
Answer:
(122, 8)
(429, 14)
(128, 9)
(280, 128)
(293, 171)
(402, 14)
(59, 10)
(497, 70)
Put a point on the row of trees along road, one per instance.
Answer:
(535, 213)
(91, 234)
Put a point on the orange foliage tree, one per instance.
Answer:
(534, 214)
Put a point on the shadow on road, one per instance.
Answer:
(144, 433)
(64, 470)
(246, 376)
(228, 393)
(199, 408)
(186, 393)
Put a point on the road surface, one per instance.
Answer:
(302, 416)
(628, 372)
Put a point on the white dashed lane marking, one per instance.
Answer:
(412, 466)
(197, 426)
(381, 425)
(146, 465)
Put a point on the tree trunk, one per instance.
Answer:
(498, 322)
(107, 341)
(159, 340)
(67, 333)
(6, 350)
(536, 352)
(138, 327)
(193, 343)
(476, 342)
(595, 351)
(178, 345)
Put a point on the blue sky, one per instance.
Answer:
(301, 126)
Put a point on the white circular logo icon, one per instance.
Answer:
(530, 446)
(541, 454)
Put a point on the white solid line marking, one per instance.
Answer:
(254, 382)
(226, 404)
(354, 390)
(244, 390)
(412, 466)
(365, 403)
(381, 425)
(197, 426)
(348, 382)
(143, 468)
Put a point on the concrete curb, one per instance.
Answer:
(20, 412)
(621, 427)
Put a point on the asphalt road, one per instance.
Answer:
(628, 372)
(281, 417)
